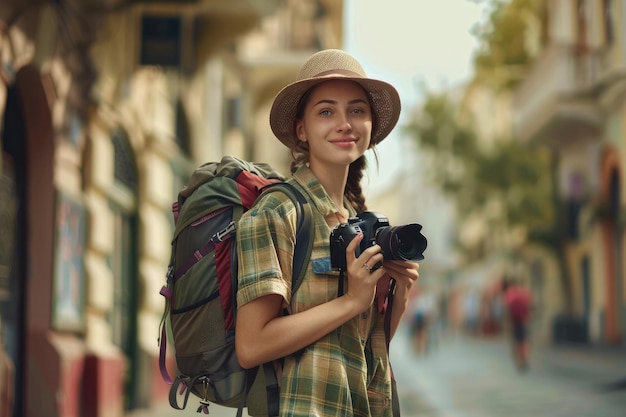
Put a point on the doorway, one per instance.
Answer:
(13, 244)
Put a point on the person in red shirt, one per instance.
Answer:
(518, 301)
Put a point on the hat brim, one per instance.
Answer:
(384, 98)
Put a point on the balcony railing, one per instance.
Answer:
(554, 99)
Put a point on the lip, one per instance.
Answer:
(344, 142)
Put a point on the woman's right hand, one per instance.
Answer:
(362, 278)
(265, 334)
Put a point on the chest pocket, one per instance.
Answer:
(322, 266)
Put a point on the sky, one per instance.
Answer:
(405, 42)
(408, 42)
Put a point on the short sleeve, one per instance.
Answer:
(265, 246)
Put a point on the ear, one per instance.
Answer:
(300, 132)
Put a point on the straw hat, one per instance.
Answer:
(332, 64)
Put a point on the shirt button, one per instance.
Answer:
(364, 315)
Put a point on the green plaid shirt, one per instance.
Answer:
(345, 373)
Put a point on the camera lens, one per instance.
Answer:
(402, 242)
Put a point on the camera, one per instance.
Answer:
(404, 242)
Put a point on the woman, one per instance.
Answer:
(334, 349)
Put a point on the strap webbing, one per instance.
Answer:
(395, 401)
(305, 232)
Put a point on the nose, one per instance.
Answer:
(343, 123)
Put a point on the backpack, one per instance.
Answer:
(201, 287)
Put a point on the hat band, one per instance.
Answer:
(339, 73)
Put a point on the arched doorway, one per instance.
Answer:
(13, 246)
(612, 237)
(27, 174)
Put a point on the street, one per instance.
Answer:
(471, 377)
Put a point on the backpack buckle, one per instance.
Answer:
(226, 232)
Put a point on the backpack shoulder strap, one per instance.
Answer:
(305, 234)
(305, 231)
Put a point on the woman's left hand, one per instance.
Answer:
(404, 272)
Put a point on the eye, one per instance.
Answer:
(325, 112)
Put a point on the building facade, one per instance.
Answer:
(106, 108)
(574, 100)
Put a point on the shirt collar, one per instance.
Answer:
(317, 194)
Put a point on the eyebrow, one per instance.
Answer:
(355, 101)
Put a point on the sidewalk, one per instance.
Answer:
(603, 366)
(451, 381)
(476, 377)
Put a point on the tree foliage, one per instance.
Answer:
(515, 175)
(477, 173)
(505, 51)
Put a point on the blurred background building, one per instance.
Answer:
(564, 93)
(108, 105)
(574, 101)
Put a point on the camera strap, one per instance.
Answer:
(340, 283)
(395, 400)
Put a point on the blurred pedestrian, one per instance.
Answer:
(517, 298)
(492, 314)
(424, 312)
(471, 312)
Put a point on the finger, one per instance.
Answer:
(375, 261)
(391, 266)
(401, 271)
(372, 256)
(372, 250)
(403, 264)
(351, 248)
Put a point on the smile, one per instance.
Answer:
(344, 142)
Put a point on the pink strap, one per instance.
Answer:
(163, 340)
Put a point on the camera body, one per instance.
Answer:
(397, 242)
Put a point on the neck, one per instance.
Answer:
(334, 182)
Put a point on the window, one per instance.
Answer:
(124, 170)
(581, 25)
(609, 33)
(161, 41)
(233, 112)
(123, 259)
(575, 200)
(182, 129)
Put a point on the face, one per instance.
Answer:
(336, 123)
